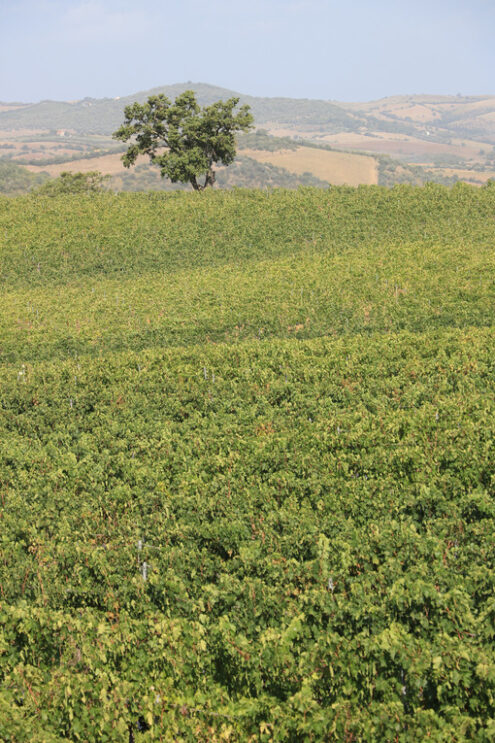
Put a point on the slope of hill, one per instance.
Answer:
(472, 117)
(324, 167)
(263, 161)
(446, 116)
(247, 466)
(103, 116)
(437, 132)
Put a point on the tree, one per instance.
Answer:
(183, 139)
(73, 183)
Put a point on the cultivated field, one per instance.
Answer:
(400, 145)
(247, 466)
(335, 167)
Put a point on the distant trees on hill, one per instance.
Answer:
(14, 179)
(262, 140)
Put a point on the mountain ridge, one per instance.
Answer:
(406, 115)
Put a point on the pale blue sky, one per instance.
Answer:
(341, 50)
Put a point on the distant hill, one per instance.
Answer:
(103, 116)
(472, 117)
(428, 137)
(424, 116)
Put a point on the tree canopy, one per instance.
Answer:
(184, 140)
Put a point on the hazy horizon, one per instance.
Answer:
(315, 49)
(241, 92)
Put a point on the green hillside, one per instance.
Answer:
(432, 118)
(247, 466)
(104, 115)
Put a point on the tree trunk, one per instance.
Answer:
(210, 178)
(209, 181)
(195, 184)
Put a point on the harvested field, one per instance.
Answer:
(16, 133)
(338, 168)
(402, 145)
(417, 112)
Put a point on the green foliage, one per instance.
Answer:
(194, 139)
(130, 235)
(144, 177)
(15, 179)
(73, 183)
(247, 466)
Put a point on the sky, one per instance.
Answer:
(347, 50)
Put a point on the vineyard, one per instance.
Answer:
(247, 466)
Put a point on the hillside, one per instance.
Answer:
(462, 116)
(263, 161)
(338, 168)
(420, 116)
(451, 136)
(324, 166)
(247, 466)
(103, 116)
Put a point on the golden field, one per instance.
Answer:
(338, 168)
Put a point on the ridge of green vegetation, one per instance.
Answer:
(262, 140)
(103, 116)
(247, 466)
